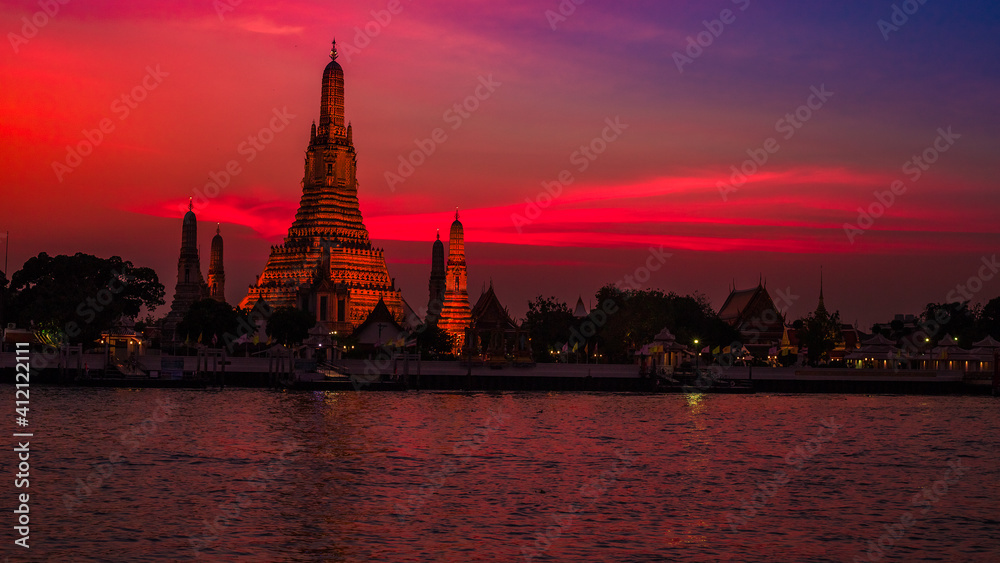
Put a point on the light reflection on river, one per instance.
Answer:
(260, 475)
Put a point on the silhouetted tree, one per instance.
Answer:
(208, 322)
(819, 332)
(989, 319)
(433, 340)
(955, 318)
(549, 322)
(288, 325)
(642, 314)
(75, 298)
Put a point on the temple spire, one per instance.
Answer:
(821, 283)
(821, 306)
(191, 203)
(331, 116)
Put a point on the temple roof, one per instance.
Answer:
(580, 310)
(878, 340)
(665, 336)
(988, 342)
(488, 309)
(736, 302)
(947, 341)
(744, 304)
(380, 314)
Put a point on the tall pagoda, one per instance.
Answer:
(191, 285)
(456, 315)
(327, 264)
(216, 271)
(437, 282)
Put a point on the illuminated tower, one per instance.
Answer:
(327, 265)
(456, 314)
(216, 273)
(190, 285)
(437, 282)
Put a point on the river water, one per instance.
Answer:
(259, 475)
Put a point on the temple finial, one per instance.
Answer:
(456, 214)
(439, 234)
(191, 203)
(333, 50)
(218, 228)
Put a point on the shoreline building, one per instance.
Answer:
(327, 265)
(191, 285)
(494, 335)
(456, 314)
(436, 286)
(752, 312)
(216, 272)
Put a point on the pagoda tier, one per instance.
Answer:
(327, 264)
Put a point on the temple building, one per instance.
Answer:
(380, 329)
(327, 264)
(848, 339)
(190, 286)
(494, 336)
(752, 312)
(456, 314)
(216, 273)
(436, 285)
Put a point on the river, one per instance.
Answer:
(261, 475)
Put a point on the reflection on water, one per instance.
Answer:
(274, 476)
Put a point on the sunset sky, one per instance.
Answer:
(216, 73)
